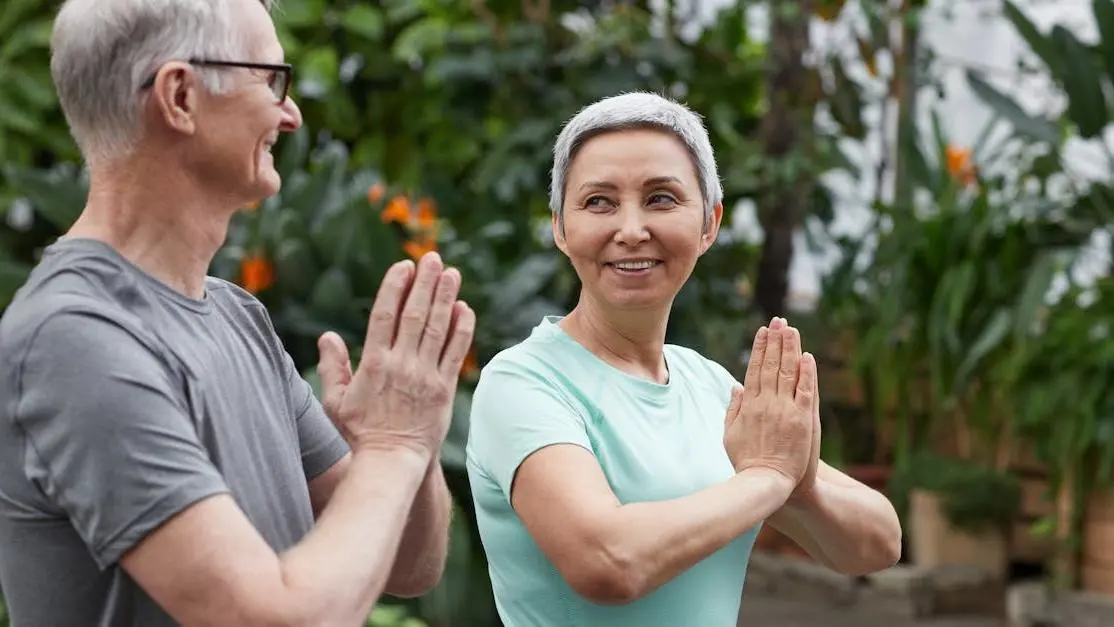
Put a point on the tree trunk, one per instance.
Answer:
(785, 134)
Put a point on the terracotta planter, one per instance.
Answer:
(876, 476)
(936, 542)
(1098, 543)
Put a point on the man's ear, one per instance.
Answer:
(176, 96)
(711, 228)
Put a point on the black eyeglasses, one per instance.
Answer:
(279, 81)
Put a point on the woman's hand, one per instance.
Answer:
(770, 424)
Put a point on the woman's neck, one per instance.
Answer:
(631, 341)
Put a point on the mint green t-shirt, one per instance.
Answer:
(654, 442)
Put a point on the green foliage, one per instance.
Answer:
(31, 122)
(973, 497)
(1084, 71)
(953, 291)
(392, 616)
(1066, 396)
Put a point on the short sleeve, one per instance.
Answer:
(108, 435)
(724, 380)
(516, 412)
(320, 442)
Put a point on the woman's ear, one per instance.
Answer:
(711, 228)
(557, 221)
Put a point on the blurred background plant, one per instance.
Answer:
(963, 355)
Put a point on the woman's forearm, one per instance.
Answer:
(846, 526)
(649, 543)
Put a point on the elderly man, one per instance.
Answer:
(161, 460)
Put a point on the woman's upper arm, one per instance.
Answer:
(534, 444)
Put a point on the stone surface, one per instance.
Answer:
(903, 590)
(1080, 609)
(779, 612)
(964, 589)
(1027, 604)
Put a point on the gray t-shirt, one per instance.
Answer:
(121, 403)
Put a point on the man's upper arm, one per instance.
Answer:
(322, 446)
(108, 439)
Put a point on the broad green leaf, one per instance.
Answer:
(318, 72)
(56, 196)
(1038, 43)
(1028, 125)
(293, 150)
(33, 85)
(1032, 296)
(301, 13)
(989, 339)
(420, 38)
(846, 102)
(13, 275)
(14, 13)
(1104, 19)
(1083, 84)
(363, 20)
(17, 117)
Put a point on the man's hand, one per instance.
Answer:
(402, 392)
(769, 425)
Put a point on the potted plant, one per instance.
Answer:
(959, 511)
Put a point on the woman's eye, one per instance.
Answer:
(597, 202)
(662, 199)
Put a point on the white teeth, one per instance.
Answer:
(635, 265)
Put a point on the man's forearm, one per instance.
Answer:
(849, 528)
(336, 574)
(425, 541)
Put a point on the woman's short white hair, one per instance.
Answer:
(633, 111)
(102, 51)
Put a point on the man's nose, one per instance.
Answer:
(292, 115)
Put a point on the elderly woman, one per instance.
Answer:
(619, 480)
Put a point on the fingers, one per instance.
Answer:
(334, 368)
(771, 362)
(415, 313)
(440, 316)
(460, 340)
(734, 406)
(383, 320)
(790, 357)
(752, 380)
(806, 384)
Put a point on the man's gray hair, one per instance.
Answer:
(636, 110)
(102, 51)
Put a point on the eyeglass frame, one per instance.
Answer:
(284, 68)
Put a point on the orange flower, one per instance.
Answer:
(828, 10)
(375, 193)
(417, 248)
(397, 210)
(252, 206)
(959, 165)
(256, 273)
(470, 365)
(427, 213)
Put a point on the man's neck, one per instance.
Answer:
(163, 224)
(633, 341)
